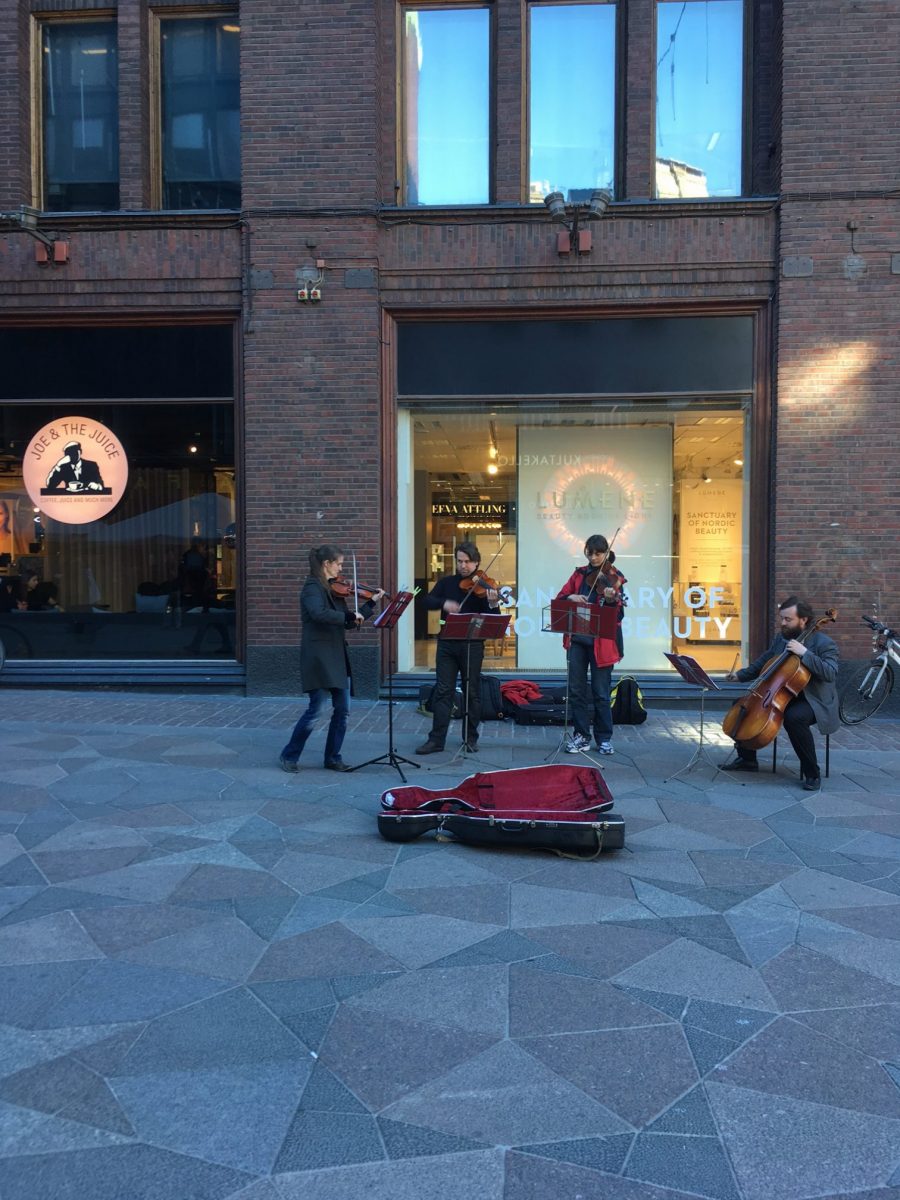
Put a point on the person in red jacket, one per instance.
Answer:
(593, 658)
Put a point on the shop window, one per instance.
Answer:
(79, 159)
(571, 83)
(199, 112)
(445, 82)
(699, 98)
(530, 486)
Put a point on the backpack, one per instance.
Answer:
(627, 702)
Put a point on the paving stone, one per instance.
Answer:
(330, 1139)
(454, 1177)
(792, 1148)
(736, 1024)
(693, 970)
(634, 1072)
(708, 1049)
(600, 1154)
(572, 1003)
(529, 1177)
(57, 937)
(801, 979)
(27, 990)
(330, 950)
(875, 956)
(420, 939)
(870, 1029)
(472, 998)
(114, 1172)
(222, 949)
(26, 1132)
(605, 953)
(124, 926)
(879, 922)
(690, 1114)
(505, 1093)
(412, 1141)
(505, 947)
(695, 1163)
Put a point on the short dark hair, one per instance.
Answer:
(596, 542)
(470, 550)
(803, 609)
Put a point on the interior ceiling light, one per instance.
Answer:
(738, 462)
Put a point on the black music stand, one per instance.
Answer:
(590, 619)
(387, 619)
(691, 672)
(471, 627)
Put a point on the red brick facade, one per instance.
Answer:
(319, 171)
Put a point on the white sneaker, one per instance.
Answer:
(605, 747)
(576, 743)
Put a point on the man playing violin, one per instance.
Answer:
(817, 704)
(453, 594)
(589, 657)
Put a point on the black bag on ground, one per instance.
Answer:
(541, 712)
(492, 706)
(426, 693)
(627, 702)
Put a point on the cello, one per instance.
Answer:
(755, 720)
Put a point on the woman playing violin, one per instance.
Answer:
(461, 592)
(593, 658)
(817, 704)
(324, 664)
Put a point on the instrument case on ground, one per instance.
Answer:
(566, 809)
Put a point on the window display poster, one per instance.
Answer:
(576, 481)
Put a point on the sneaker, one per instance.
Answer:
(288, 765)
(605, 747)
(576, 743)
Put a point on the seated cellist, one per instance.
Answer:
(816, 705)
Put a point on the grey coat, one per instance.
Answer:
(323, 647)
(821, 660)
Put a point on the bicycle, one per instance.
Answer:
(871, 684)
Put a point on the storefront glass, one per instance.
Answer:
(145, 570)
(529, 483)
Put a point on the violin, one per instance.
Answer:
(479, 584)
(605, 576)
(756, 719)
(343, 587)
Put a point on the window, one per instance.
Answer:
(699, 98)
(571, 99)
(79, 116)
(446, 105)
(199, 112)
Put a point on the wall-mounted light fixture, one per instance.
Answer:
(48, 249)
(573, 216)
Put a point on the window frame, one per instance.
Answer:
(155, 149)
(746, 123)
(619, 76)
(400, 184)
(39, 21)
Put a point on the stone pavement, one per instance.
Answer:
(216, 980)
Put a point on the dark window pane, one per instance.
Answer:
(699, 97)
(201, 139)
(446, 99)
(80, 116)
(572, 99)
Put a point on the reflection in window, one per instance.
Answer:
(572, 99)
(200, 113)
(80, 116)
(699, 98)
(446, 106)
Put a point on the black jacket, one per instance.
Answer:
(323, 647)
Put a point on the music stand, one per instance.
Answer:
(387, 620)
(471, 627)
(590, 619)
(691, 672)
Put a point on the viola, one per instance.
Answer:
(343, 587)
(756, 719)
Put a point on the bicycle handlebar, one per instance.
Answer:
(877, 626)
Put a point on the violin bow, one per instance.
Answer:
(355, 587)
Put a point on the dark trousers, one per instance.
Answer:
(463, 659)
(799, 719)
(337, 727)
(581, 667)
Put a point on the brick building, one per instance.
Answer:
(581, 267)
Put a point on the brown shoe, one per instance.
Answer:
(429, 747)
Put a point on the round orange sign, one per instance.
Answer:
(75, 470)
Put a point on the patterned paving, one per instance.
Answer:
(216, 981)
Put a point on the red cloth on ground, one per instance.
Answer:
(520, 691)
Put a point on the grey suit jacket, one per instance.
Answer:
(821, 660)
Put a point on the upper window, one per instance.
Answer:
(79, 116)
(572, 99)
(446, 105)
(199, 97)
(699, 98)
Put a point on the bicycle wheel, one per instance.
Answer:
(865, 692)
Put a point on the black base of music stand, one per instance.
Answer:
(388, 620)
(691, 672)
(469, 627)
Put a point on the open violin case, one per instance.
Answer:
(566, 809)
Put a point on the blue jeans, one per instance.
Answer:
(582, 665)
(340, 700)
